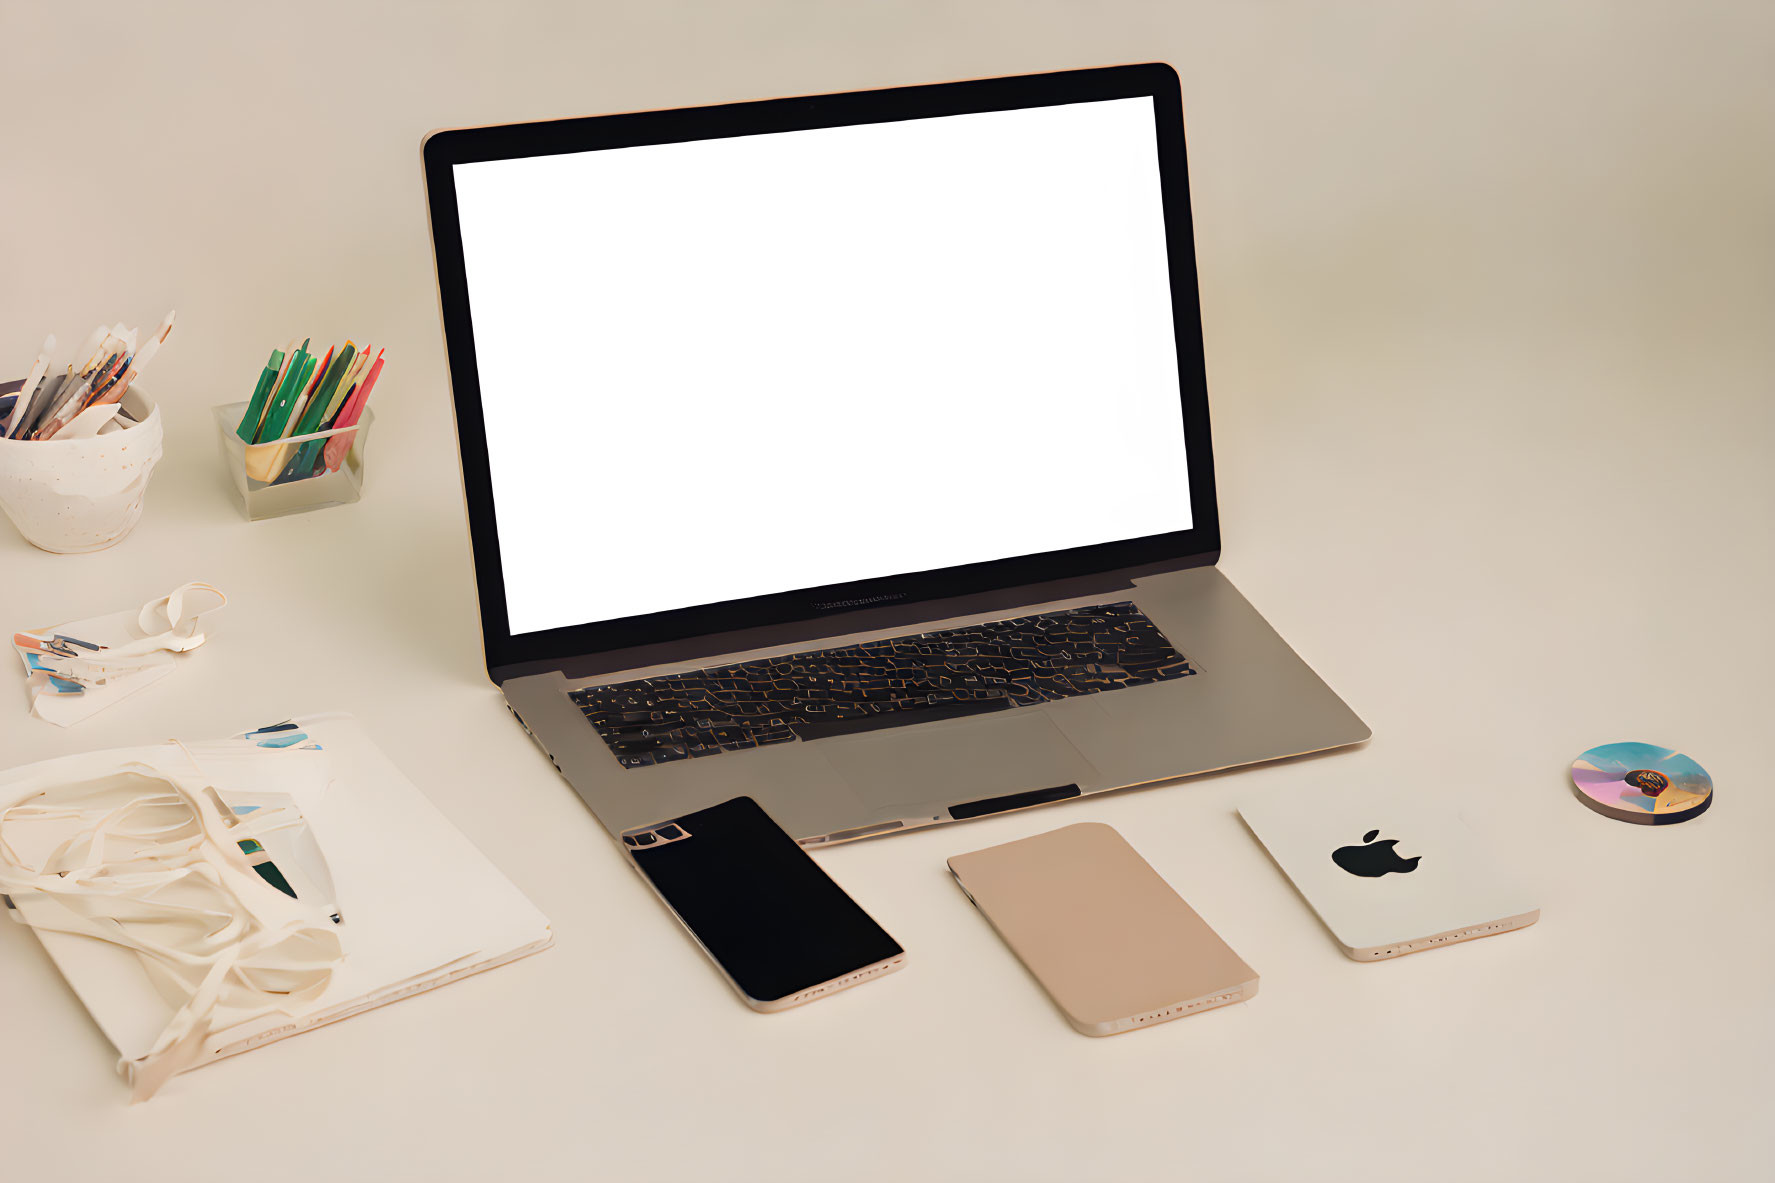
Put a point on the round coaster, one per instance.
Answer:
(1642, 783)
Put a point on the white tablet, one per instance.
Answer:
(1389, 870)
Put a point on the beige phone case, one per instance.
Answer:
(1109, 940)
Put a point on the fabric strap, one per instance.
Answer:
(149, 858)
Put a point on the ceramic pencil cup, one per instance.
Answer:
(77, 495)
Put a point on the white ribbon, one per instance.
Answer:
(170, 624)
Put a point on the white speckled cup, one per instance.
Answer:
(73, 496)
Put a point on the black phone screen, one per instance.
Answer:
(759, 904)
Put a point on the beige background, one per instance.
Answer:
(1489, 292)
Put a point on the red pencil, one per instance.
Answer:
(348, 417)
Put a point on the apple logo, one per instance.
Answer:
(1373, 859)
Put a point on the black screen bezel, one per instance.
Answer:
(445, 149)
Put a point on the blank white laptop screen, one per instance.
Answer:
(733, 367)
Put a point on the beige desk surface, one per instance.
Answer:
(1489, 293)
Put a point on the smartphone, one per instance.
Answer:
(774, 923)
(1109, 940)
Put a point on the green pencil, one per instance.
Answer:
(316, 409)
(249, 423)
(301, 368)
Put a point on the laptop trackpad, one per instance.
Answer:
(933, 765)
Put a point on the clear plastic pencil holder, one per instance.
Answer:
(297, 474)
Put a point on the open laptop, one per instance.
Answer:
(851, 452)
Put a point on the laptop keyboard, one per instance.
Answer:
(901, 680)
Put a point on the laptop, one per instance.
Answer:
(850, 452)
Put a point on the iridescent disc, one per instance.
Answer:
(1642, 783)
